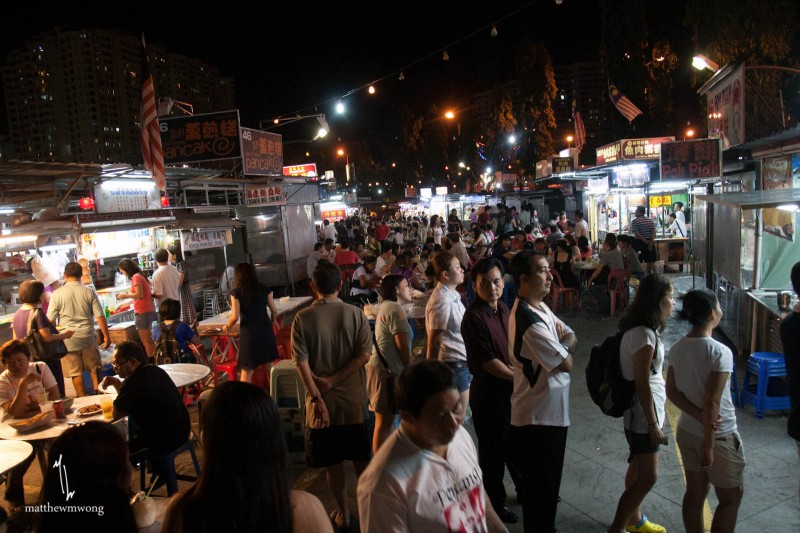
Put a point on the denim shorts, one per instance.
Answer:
(145, 320)
(463, 378)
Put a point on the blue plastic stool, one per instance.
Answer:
(765, 394)
(169, 460)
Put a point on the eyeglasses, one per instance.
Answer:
(118, 364)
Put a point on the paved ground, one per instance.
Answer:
(596, 458)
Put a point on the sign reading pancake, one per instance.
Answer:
(198, 138)
(262, 153)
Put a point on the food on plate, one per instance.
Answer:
(32, 420)
(90, 409)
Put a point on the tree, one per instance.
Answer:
(757, 33)
(537, 90)
(502, 122)
(660, 69)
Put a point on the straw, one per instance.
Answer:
(153, 484)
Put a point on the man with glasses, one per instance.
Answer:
(485, 332)
(148, 396)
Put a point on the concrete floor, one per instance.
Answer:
(595, 461)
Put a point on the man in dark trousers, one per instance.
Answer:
(149, 397)
(485, 332)
(790, 337)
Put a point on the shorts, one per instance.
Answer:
(75, 362)
(145, 320)
(335, 444)
(639, 444)
(727, 471)
(463, 375)
(377, 390)
(648, 255)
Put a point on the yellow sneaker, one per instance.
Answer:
(645, 526)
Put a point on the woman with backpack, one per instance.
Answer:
(169, 328)
(249, 300)
(698, 383)
(641, 360)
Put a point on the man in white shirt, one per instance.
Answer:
(443, 315)
(166, 279)
(426, 477)
(313, 259)
(581, 227)
(328, 231)
(540, 348)
(457, 249)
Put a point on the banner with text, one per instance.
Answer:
(264, 195)
(690, 160)
(195, 138)
(202, 240)
(262, 152)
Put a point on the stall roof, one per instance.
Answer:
(754, 199)
(187, 221)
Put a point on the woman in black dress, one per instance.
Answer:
(250, 299)
(562, 263)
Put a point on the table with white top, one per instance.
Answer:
(186, 374)
(213, 325)
(55, 427)
(12, 453)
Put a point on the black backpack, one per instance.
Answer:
(608, 388)
(168, 349)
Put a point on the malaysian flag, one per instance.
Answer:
(623, 105)
(580, 130)
(152, 152)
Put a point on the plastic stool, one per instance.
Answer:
(764, 395)
(169, 458)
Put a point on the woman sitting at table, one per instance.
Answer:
(244, 484)
(32, 294)
(585, 248)
(144, 311)
(23, 384)
(93, 460)
(169, 312)
(573, 246)
(250, 299)
(363, 284)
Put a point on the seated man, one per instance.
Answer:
(148, 396)
(404, 488)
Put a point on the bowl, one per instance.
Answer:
(68, 401)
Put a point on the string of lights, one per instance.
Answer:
(400, 73)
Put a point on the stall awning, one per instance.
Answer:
(754, 199)
(187, 221)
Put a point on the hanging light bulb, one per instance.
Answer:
(402, 76)
(371, 89)
(340, 107)
(445, 56)
(493, 33)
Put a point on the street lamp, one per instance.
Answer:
(689, 134)
(569, 141)
(324, 129)
(701, 62)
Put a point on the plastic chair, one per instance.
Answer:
(172, 475)
(347, 281)
(225, 360)
(619, 294)
(557, 290)
(765, 394)
(211, 303)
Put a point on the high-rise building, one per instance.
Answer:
(584, 82)
(74, 95)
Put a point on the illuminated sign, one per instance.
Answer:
(659, 200)
(425, 192)
(562, 164)
(262, 153)
(411, 192)
(195, 138)
(690, 160)
(306, 170)
(630, 150)
(441, 191)
(201, 240)
(118, 195)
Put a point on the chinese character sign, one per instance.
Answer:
(725, 102)
(690, 160)
(264, 195)
(200, 240)
(205, 137)
(262, 153)
(114, 196)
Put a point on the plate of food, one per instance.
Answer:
(90, 410)
(36, 421)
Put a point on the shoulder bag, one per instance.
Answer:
(40, 349)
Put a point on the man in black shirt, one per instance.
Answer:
(485, 332)
(149, 397)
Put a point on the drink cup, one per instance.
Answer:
(58, 409)
(107, 404)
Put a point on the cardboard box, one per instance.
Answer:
(124, 331)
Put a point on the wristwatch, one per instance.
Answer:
(316, 399)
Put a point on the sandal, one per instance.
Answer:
(645, 526)
(338, 521)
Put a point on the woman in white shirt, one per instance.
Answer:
(641, 359)
(363, 287)
(698, 383)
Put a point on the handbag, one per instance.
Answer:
(42, 350)
(390, 379)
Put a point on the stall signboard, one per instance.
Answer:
(562, 164)
(660, 200)
(202, 240)
(308, 170)
(115, 243)
(690, 160)
(411, 192)
(196, 138)
(262, 152)
(631, 150)
(114, 196)
(441, 191)
(334, 214)
(725, 103)
(265, 194)
(543, 168)
(425, 192)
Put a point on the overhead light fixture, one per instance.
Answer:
(445, 56)
(402, 76)
(789, 207)
(701, 62)
(340, 107)
(371, 89)
(324, 129)
(493, 33)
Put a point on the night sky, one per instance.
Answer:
(290, 56)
